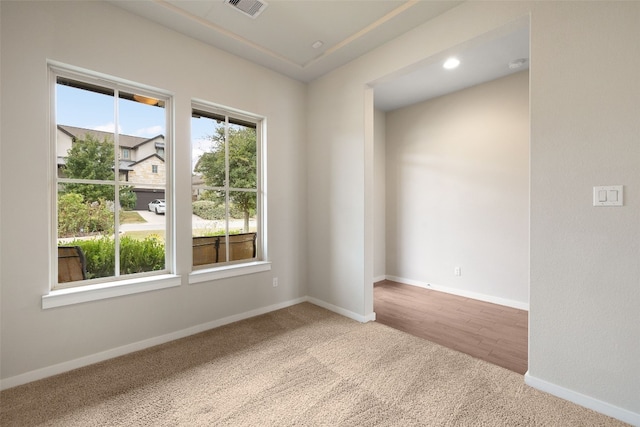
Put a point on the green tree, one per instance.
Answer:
(90, 158)
(242, 168)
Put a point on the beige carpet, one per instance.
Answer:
(301, 366)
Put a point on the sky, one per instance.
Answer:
(91, 110)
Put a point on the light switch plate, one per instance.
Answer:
(608, 195)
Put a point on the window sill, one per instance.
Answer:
(80, 294)
(225, 272)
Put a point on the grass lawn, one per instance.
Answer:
(130, 217)
(133, 217)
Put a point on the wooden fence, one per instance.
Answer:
(206, 250)
(213, 249)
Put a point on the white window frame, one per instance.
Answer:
(207, 273)
(97, 289)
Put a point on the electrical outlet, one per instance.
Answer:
(275, 282)
(457, 271)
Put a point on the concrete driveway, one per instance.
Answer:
(157, 222)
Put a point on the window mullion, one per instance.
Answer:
(116, 175)
(226, 187)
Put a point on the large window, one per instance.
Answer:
(106, 135)
(226, 224)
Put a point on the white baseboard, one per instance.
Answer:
(468, 294)
(379, 279)
(59, 368)
(583, 400)
(346, 313)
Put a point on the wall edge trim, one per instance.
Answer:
(582, 400)
(91, 359)
(468, 294)
(344, 312)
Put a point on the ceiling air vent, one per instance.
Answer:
(251, 8)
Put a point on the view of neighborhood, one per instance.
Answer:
(141, 160)
(104, 174)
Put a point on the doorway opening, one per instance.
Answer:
(450, 173)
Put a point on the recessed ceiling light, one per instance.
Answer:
(317, 44)
(451, 63)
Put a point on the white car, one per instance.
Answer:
(158, 206)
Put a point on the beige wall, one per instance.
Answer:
(584, 293)
(458, 192)
(379, 195)
(584, 269)
(82, 34)
(585, 274)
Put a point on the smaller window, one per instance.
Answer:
(154, 168)
(225, 188)
(125, 153)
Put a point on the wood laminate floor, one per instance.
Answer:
(494, 333)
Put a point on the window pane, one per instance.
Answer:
(242, 157)
(86, 248)
(142, 125)
(144, 253)
(242, 237)
(208, 151)
(241, 247)
(85, 210)
(85, 122)
(242, 212)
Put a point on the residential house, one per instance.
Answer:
(141, 160)
(582, 273)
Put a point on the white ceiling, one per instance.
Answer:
(481, 60)
(282, 35)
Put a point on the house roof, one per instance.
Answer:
(126, 165)
(127, 141)
(147, 158)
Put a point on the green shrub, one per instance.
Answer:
(77, 218)
(127, 199)
(72, 214)
(206, 209)
(136, 256)
(101, 217)
(100, 255)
